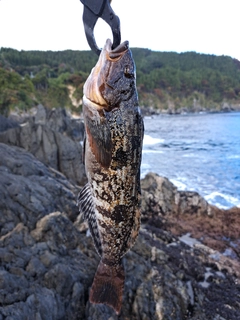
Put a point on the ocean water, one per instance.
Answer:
(199, 152)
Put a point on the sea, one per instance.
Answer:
(196, 152)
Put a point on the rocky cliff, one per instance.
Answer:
(48, 261)
(52, 137)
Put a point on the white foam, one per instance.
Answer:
(180, 185)
(189, 155)
(148, 140)
(145, 168)
(148, 117)
(234, 156)
(212, 198)
(151, 151)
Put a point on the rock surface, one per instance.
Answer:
(161, 198)
(29, 190)
(184, 212)
(53, 138)
(48, 261)
(6, 124)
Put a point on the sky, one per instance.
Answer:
(203, 26)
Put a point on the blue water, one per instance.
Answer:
(197, 153)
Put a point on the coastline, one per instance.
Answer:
(197, 152)
(225, 108)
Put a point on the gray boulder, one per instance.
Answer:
(29, 190)
(161, 198)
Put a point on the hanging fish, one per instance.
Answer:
(110, 201)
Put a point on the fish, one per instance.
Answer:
(112, 153)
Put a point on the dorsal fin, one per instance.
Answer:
(86, 206)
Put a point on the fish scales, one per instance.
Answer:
(122, 203)
(112, 154)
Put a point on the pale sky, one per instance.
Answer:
(204, 26)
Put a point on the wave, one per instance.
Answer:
(151, 151)
(234, 156)
(216, 198)
(190, 155)
(196, 154)
(148, 140)
(180, 185)
(221, 200)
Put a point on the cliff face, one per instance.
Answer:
(53, 138)
(48, 261)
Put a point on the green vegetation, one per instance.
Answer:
(164, 79)
(182, 78)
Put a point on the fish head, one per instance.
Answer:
(113, 79)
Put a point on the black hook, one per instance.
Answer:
(94, 9)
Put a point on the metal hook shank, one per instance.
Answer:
(93, 9)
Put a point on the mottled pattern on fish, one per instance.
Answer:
(116, 190)
(113, 146)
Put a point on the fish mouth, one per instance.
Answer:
(118, 52)
(98, 74)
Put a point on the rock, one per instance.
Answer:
(184, 212)
(54, 139)
(41, 115)
(158, 196)
(44, 290)
(161, 198)
(147, 111)
(29, 190)
(57, 265)
(192, 203)
(6, 123)
(60, 121)
(48, 261)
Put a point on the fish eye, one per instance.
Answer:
(128, 73)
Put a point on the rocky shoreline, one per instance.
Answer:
(47, 258)
(223, 108)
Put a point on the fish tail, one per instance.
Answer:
(108, 285)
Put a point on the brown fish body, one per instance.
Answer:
(113, 146)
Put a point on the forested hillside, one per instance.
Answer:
(165, 80)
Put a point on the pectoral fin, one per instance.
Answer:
(86, 206)
(99, 137)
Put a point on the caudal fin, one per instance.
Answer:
(108, 286)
